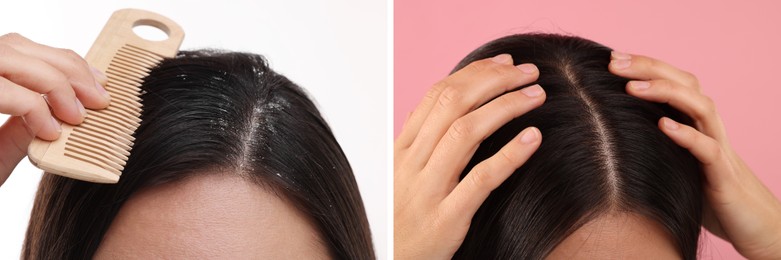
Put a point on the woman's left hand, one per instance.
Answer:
(739, 208)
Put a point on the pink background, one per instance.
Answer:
(734, 47)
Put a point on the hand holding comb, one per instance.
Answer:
(97, 149)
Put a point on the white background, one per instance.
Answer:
(336, 50)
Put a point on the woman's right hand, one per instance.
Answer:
(739, 208)
(33, 79)
(433, 209)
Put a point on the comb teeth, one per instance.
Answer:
(105, 137)
(98, 149)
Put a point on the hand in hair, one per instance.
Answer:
(433, 210)
(28, 71)
(739, 209)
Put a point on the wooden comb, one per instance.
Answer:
(97, 149)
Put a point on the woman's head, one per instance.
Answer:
(229, 156)
(604, 177)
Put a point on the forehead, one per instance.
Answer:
(617, 236)
(210, 215)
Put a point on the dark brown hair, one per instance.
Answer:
(601, 152)
(205, 110)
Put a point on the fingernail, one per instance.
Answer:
(502, 58)
(639, 85)
(81, 108)
(100, 77)
(46, 98)
(102, 90)
(620, 55)
(532, 91)
(56, 125)
(98, 74)
(527, 68)
(670, 124)
(620, 64)
(529, 136)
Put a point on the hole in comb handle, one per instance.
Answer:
(151, 30)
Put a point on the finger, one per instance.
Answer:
(41, 77)
(706, 149)
(102, 80)
(466, 90)
(16, 100)
(413, 125)
(85, 80)
(646, 68)
(14, 140)
(415, 119)
(694, 104)
(486, 176)
(464, 136)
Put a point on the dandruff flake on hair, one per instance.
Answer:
(250, 139)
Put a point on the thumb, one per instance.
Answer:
(14, 139)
